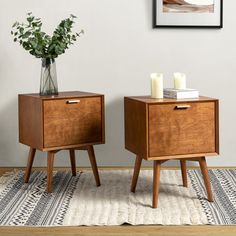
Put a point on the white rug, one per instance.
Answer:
(113, 204)
(77, 200)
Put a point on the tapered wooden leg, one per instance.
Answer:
(29, 163)
(93, 164)
(137, 166)
(184, 172)
(156, 182)
(50, 171)
(203, 166)
(72, 161)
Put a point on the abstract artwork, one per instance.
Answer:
(188, 13)
(188, 6)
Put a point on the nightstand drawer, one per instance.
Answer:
(72, 121)
(181, 128)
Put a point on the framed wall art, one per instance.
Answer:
(188, 13)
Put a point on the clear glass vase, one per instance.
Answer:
(48, 81)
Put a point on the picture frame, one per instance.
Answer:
(191, 15)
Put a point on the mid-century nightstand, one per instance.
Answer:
(69, 120)
(166, 129)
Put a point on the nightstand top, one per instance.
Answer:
(61, 95)
(149, 100)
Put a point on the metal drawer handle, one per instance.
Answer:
(182, 107)
(73, 102)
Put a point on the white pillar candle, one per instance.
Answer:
(179, 80)
(157, 85)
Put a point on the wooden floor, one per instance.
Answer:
(124, 230)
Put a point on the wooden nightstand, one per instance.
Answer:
(70, 120)
(166, 129)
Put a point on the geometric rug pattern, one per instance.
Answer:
(77, 200)
(29, 204)
(223, 210)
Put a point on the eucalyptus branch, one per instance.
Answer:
(40, 44)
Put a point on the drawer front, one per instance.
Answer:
(186, 128)
(72, 121)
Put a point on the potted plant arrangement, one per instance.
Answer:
(39, 44)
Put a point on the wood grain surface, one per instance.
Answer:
(181, 131)
(68, 124)
(155, 129)
(53, 122)
(30, 121)
(136, 139)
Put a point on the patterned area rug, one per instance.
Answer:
(77, 201)
(223, 210)
(29, 204)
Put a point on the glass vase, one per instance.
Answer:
(48, 80)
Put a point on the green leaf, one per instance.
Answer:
(33, 43)
(21, 30)
(73, 16)
(26, 35)
(26, 46)
(38, 43)
(37, 52)
(30, 19)
(32, 52)
(14, 25)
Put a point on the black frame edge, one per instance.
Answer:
(154, 23)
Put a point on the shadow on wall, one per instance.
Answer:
(113, 153)
(149, 13)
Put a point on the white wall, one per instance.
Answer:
(115, 57)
